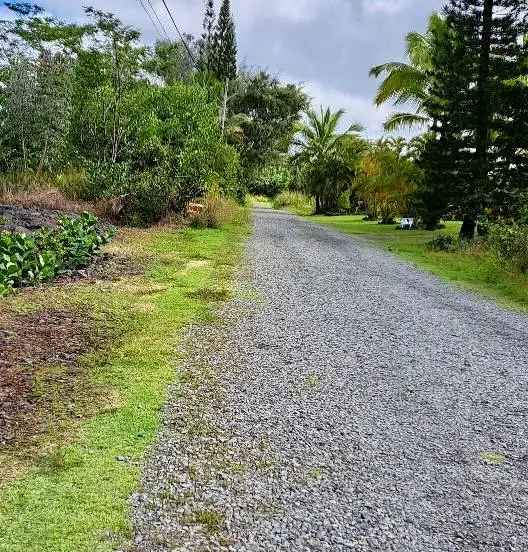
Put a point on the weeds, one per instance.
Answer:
(215, 211)
(295, 201)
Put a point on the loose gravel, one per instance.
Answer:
(344, 401)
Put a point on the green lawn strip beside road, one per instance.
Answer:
(474, 269)
(75, 497)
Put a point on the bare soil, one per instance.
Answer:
(38, 353)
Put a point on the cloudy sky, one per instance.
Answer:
(327, 45)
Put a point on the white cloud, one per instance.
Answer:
(295, 11)
(384, 6)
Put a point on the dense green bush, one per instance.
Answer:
(103, 179)
(29, 260)
(510, 244)
(271, 180)
(171, 151)
(443, 242)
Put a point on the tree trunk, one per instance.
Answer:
(318, 208)
(469, 226)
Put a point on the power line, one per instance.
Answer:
(158, 18)
(151, 19)
(179, 33)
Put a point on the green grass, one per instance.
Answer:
(74, 496)
(473, 269)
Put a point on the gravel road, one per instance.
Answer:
(347, 401)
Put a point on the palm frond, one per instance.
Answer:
(399, 121)
(403, 84)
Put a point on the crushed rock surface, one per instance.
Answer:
(345, 401)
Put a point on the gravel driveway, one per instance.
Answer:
(346, 402)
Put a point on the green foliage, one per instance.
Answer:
(385, 182)
(267, 114)
(326, 159)
(476, 159)
(272, 179)
(126, 134)
(406, 83)
(35, 138)
(147, 198)
(29, 260)
(443, 242)
(171, 61)
(223, 60)
(22, 262)
(510, 243)
(295, 201)
(102, 180)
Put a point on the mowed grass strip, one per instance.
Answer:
(74, 496)
(473, 268)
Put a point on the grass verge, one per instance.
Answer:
(474, 268)
(69, 491)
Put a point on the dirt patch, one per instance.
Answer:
(22, 219)
(106, 267)
(39, 369)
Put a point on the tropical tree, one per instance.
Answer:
(385, 183)
(408, 83)
(323, 159)
(263, 117)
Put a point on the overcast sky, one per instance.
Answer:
(327, 45)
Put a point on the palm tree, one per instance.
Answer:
(406, 83)
(324, 162)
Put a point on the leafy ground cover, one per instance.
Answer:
(473, 268)
(94, 381)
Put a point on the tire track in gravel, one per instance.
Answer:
(345, 402)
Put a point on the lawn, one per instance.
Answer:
(473, 269)
(66, 489)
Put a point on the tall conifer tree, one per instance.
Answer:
(225, 44)
(207, 38)
(477, 157)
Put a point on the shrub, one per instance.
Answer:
(271, 180)
(29, 260)
(510, 244)
(103, 179)
(443, 242)
(294, 200)
(147, 198)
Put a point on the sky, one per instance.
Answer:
(328, 46)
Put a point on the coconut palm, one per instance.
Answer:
(324, 156)
(408, 83)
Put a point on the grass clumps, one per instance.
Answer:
(294, 201)
(492, 458)
(216, 210)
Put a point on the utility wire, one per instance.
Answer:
(151, 19)
(179, 33)
(158, 18)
